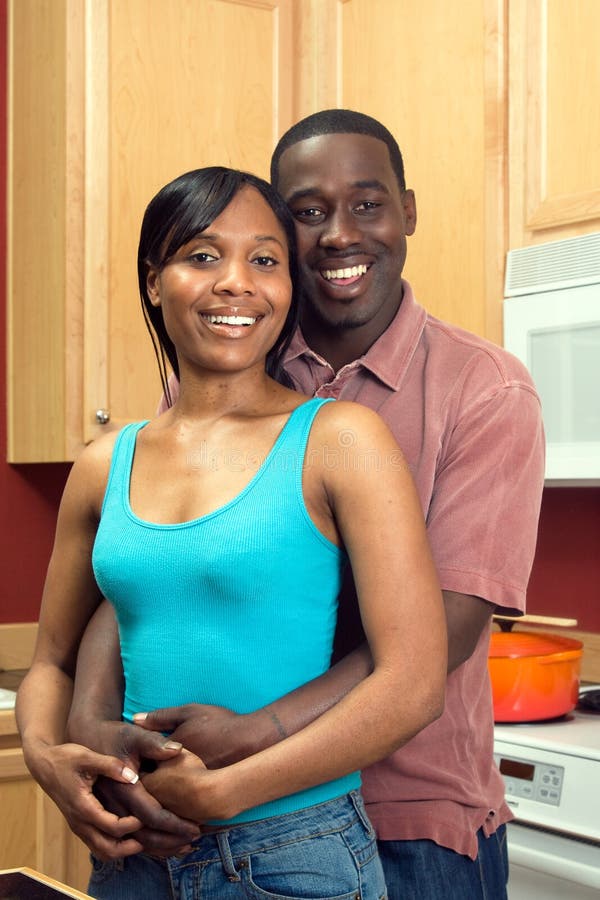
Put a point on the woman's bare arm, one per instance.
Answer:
(67, 771)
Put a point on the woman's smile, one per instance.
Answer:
(231, 323)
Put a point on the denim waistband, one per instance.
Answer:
(251, 837)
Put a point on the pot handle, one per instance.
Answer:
(536, 620)
(560, 656)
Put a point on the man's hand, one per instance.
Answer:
(215, 734)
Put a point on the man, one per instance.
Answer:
(467, 417)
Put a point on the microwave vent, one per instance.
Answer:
(553, 266)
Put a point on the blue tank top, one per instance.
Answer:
(236, 608)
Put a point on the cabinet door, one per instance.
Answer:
(109, 100)
(554, 157)
(436, 79)
(32, 831)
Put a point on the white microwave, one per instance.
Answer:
(552, 324)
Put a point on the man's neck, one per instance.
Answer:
(339, 345)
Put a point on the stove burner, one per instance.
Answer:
(555, 720)
(590, 700)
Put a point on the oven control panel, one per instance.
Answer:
(531, 780)
(551, 773)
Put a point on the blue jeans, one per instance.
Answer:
(422, 870)
(325, 852)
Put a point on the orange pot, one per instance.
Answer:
(534, 676)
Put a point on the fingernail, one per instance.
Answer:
(130, 775)
(140, 717)
(173, 745)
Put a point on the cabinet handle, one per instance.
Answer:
(102, 416)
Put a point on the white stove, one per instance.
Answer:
(551, 771)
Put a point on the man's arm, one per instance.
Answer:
(466, 619)
(217, 735)
(95, 722)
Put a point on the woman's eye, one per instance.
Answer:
(265, 261)
(202, 257)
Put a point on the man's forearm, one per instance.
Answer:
(296, 710)
(98, 691)
(220, 737)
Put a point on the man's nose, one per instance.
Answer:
(341, 230)
(234, 278)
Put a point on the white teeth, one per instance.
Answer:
(349, 272)
(230, 320)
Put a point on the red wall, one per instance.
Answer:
(566, 574)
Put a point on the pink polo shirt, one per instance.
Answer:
(468, 419)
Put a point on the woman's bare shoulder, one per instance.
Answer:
(89, 473)
(353, 419)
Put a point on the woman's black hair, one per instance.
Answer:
(180, 211)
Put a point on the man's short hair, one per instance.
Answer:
(338, 121)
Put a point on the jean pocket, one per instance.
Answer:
(313, 868)
(102, 869)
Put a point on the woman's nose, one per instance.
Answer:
(341, 230)
(234, 277)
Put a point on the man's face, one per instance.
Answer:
(351, 221)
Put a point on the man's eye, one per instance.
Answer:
(311, 212)
(202, 257)
(367, 206)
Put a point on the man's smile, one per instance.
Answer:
(345, 275)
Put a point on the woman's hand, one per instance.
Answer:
(68, 772)
(184, 785)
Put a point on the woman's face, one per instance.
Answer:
(226, 293)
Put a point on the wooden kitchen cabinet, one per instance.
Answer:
(494, 110)
(554, 127)
(32, 831)
(110, 99)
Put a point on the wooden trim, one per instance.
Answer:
(75, 210)
(94, 71)
(51, 882)
(284, 69)
(17, 642)
(8, 728)
(12, 764)
(318, 29)
(495, 162)
(564, 210)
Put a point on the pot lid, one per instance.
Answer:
(523, 643)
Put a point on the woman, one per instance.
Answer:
(219, 531)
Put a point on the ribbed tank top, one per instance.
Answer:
(236, 608)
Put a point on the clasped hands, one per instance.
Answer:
(173, 795)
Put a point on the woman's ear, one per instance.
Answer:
(153, 285)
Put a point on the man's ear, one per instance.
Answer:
(409, 205)
(153, 285)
